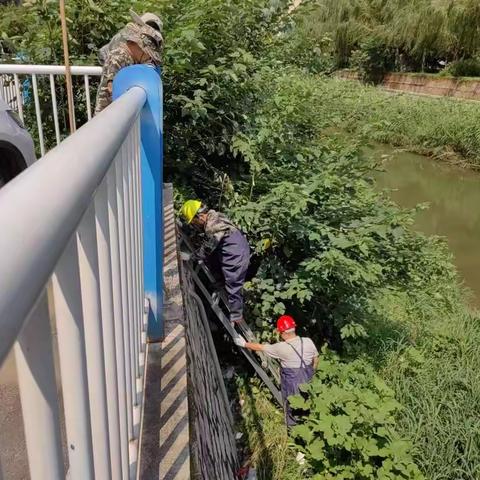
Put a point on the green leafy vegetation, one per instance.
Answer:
(335, 242)
(348, 430)
(33, 30)
(415, 34)
(249, 129)
(464, 68)
(265, 438)
(403, 120)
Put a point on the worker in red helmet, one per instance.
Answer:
(298, 360)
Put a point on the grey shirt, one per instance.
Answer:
(290, 357)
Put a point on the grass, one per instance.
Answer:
(442, 74)
(443, 128)
(431, 362)
(265, 436)
(440, 392)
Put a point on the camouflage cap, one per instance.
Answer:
(149, 19)
(153, 21)
(147, 38)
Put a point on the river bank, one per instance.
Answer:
(445, 129)
(460, 88)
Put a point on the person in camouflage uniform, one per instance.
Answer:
(147, 19)
(140, 44)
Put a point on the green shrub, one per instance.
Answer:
(464, 68)
(349, 430)
(298, 45)
(373, 59)
(335, 243)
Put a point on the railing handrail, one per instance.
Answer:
(21, 69)
(37, 227)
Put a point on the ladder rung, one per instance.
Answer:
(226, 323)
(246, 331)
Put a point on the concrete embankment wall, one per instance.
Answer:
(424, 84)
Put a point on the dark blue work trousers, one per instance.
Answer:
(232, 257)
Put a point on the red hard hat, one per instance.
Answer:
(285, 322)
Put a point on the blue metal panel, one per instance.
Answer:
(151, 131)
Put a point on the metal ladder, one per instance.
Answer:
(216, 300)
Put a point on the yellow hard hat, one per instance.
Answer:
(189, 209)
(266, 243)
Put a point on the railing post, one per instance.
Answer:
(73, 364)
(38, 393)
(151, 133)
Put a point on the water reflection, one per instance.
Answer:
(454, 197)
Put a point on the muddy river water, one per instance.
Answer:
(453, 195)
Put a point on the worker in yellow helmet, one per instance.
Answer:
(225, 249)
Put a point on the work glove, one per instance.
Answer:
(235, 323)
(240, 341)
(185, 256)
(236, 318)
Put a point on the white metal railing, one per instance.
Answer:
(71, 261)
(20, 84)
(8, 91)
